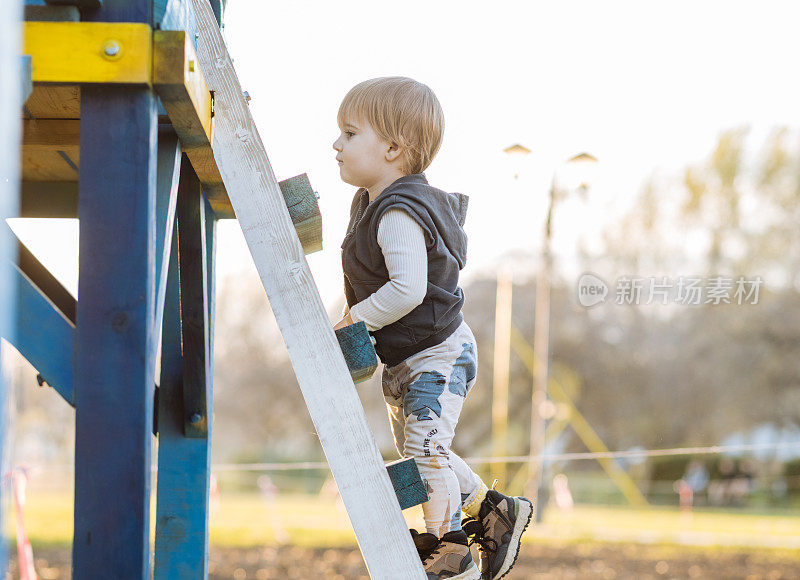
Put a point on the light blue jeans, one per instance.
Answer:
(424, 396)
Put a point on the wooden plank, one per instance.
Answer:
(52, 13)
(54, 102)
(194, 299)
(407, 482)
(50, 164)
(182, 88)
(304, 211)
(323, 376)
(168, 170)
(114, 366)
(358, 351)
(89, 52)
(45, 337)
(49, 199)
(50, 134)
(181, 545)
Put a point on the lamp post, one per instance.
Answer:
(581, 166)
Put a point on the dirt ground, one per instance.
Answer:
(598, 561)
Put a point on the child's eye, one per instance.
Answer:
(349, 133)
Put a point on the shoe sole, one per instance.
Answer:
(471, 573)
(525, 511)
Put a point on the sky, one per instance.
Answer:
(645, 87)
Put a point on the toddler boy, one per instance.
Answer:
(401, 257)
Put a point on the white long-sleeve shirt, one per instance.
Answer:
(402, 242)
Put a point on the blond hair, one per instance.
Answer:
(401, 111)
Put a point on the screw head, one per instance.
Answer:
(195, 418)
(111, 48)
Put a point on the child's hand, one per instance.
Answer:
(346, 321)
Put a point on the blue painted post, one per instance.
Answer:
(10, 102)
(184, 462)
(114, 371)
(114, 367)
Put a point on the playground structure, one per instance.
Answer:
(133, 121)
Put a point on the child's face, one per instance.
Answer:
(364, 158)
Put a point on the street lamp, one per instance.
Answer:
(581, 168)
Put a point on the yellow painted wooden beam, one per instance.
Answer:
(182, 87)
(89, 52)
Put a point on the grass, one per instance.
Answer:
(243, 519)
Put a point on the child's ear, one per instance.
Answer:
(393, 152)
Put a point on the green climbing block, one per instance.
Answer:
(304, 211)
(407, 482)
(359, 354)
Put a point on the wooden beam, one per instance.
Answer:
(49, 199)
(321, 371)
(114, 367)
(54, 102)
(304, 211)
(194, 298)
(45, 337)
(181, 544)
(168, 171)
(50, 134)
(45, 13)
(358, 351)
(89, 52)
(180, 84)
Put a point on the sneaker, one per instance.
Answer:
(497, 531)
(448, 557)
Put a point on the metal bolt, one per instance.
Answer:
(316, 194)
(111, 48)
(196, 35)
(246, 96)
(195, 418)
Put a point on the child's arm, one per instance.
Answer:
(402, 242)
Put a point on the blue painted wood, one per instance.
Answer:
(218, 6)
(45, 337)
(119, 11)
(169, 163)
(114, 369)
(407, 483)
(176, 15)
(181, 546)
(78, 3)
(358, 351)
(115, 331)
(27, 77)
(194, 300)
(211, 272)
(48, 284)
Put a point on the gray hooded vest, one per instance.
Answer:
(441, 216)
